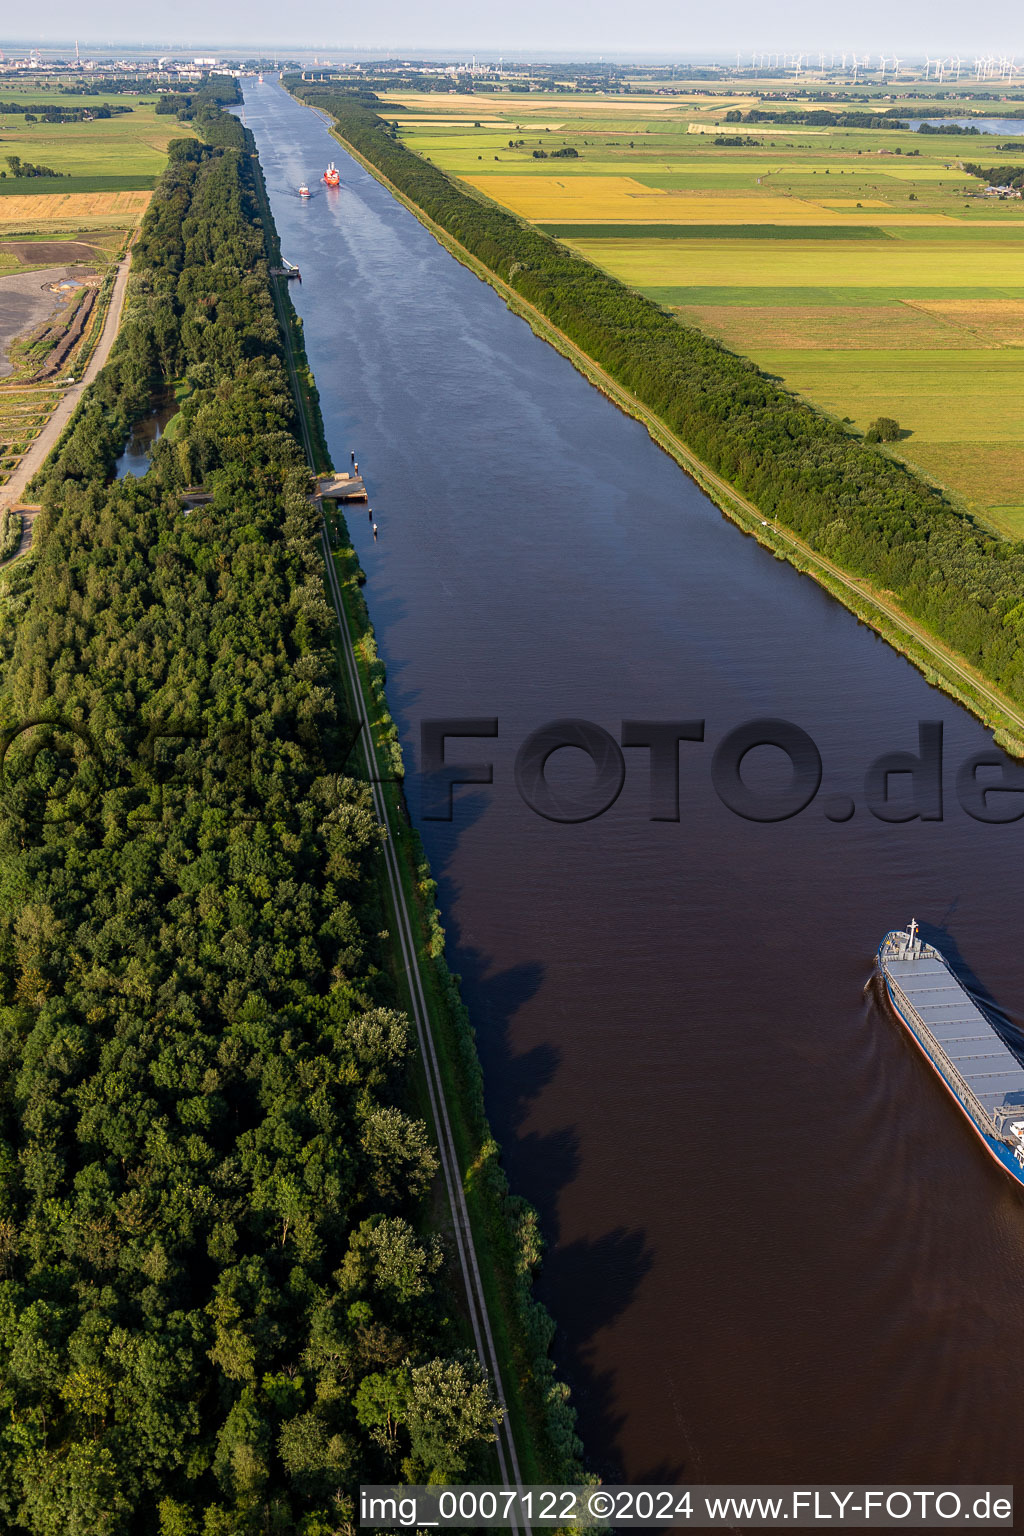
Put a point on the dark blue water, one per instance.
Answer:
(776, 1252)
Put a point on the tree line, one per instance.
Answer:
(222, 1304)
(50, 112)
(997, 175)
(819, 117)
(20, 168)
(861, 509)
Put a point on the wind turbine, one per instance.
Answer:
(896, 69)
(883, 61)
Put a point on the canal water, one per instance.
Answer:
(776, 1251)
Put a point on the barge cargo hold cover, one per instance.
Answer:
(978, 1068)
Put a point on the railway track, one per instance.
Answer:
(469, 1263)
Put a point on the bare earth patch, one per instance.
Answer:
(26, 300)
(32, 252)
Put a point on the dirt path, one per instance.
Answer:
(14, 490)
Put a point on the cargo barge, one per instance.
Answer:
(978, 1069)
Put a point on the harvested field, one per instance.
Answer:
(844, 326)
(994, 321)
(621, 197)
(76, 208)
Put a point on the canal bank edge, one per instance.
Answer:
(941, 666)
(505, 1226)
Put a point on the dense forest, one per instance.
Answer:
(221, 1302)
(200, 102)
(849, 500)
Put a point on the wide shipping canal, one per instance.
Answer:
(776, 1251)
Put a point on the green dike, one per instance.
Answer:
(505, 1226)
(944, 590)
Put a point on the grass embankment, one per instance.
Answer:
(875, 601)
(505, 1227)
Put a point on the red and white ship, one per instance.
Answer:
(332, 175)
(303, 190)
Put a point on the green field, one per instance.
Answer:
(901, 267)
(40, 184)
(132, 147)
(864, 267)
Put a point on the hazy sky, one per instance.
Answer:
(581, 28)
